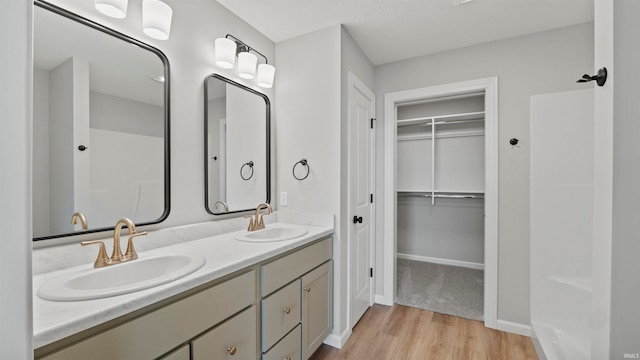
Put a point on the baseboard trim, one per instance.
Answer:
(466, 264)
(537, 345)
(338, 341)
(382, 300)
(512, 327)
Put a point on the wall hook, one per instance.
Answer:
(600, 78)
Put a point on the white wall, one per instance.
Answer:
(114, 113)
(625, 272)
(61, 169)
(308, 126)
(41, 152)
(126, 179)
(16, 72)
(538, 63)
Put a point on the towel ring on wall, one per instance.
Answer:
(303, 162)
(250, 164)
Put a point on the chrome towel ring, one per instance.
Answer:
(250, 165)
(304, 163)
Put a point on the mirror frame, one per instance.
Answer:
(167, 110)
(206, 141)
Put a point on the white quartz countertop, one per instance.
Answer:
(224, 255)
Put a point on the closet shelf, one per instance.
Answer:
(442, 119)
(443, 194)
(440, 135)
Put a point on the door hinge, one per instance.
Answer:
(370, 272)
(372, 198)
(372, 120)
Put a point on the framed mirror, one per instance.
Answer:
(100, 127)
(237, 122)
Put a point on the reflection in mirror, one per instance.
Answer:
(237, 165)
(100, 127)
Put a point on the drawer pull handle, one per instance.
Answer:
(286, 310)
(307, 289)
(232, 350)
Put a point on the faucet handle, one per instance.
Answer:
(103, 259)
(252, 222)
(131, 253)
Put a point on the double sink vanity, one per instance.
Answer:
(239, 295)
(209, 290)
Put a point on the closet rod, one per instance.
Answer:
(478, 115)
(458, 196)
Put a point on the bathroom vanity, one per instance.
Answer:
(249, 301)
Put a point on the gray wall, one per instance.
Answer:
(625, 272)
(16, 66)
(533, 64)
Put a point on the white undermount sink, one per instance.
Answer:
(120, 279)
(272, 233)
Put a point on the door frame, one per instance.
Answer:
(354, 83)
(391, 101)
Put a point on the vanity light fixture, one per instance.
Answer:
(230, 47)
(156, 15)
(113, 8)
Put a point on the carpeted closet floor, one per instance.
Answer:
(444, 289)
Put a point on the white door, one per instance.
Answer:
(361, 226)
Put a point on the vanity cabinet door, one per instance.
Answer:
(316, 308)
(280, 314)
(235, 339)
(180, 354)
(288, 348)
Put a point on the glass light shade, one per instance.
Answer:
(266, 73)
(225, 53)
(247, 65)
(112, 8)
(156, 19)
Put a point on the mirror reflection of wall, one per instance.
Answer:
(237, 127)
(99, 128)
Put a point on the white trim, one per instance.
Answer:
(433, 260)
(381, 300)
(490, 88)
(356, 84)
(512, 327)
(338, 341)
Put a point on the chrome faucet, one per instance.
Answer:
(117, 256)
(257, 222)
(83, 220)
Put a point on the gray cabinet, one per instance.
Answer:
(316, 308)
(296, 291)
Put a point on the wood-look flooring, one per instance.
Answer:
(401, 332)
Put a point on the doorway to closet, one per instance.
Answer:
(441, 199)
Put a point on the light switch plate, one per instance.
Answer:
(283, 198)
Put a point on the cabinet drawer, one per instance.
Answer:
(234, 339)
(277, 273)
(179, 354)
(288, 348)
(280, 314)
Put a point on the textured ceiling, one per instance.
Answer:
(392, 30)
